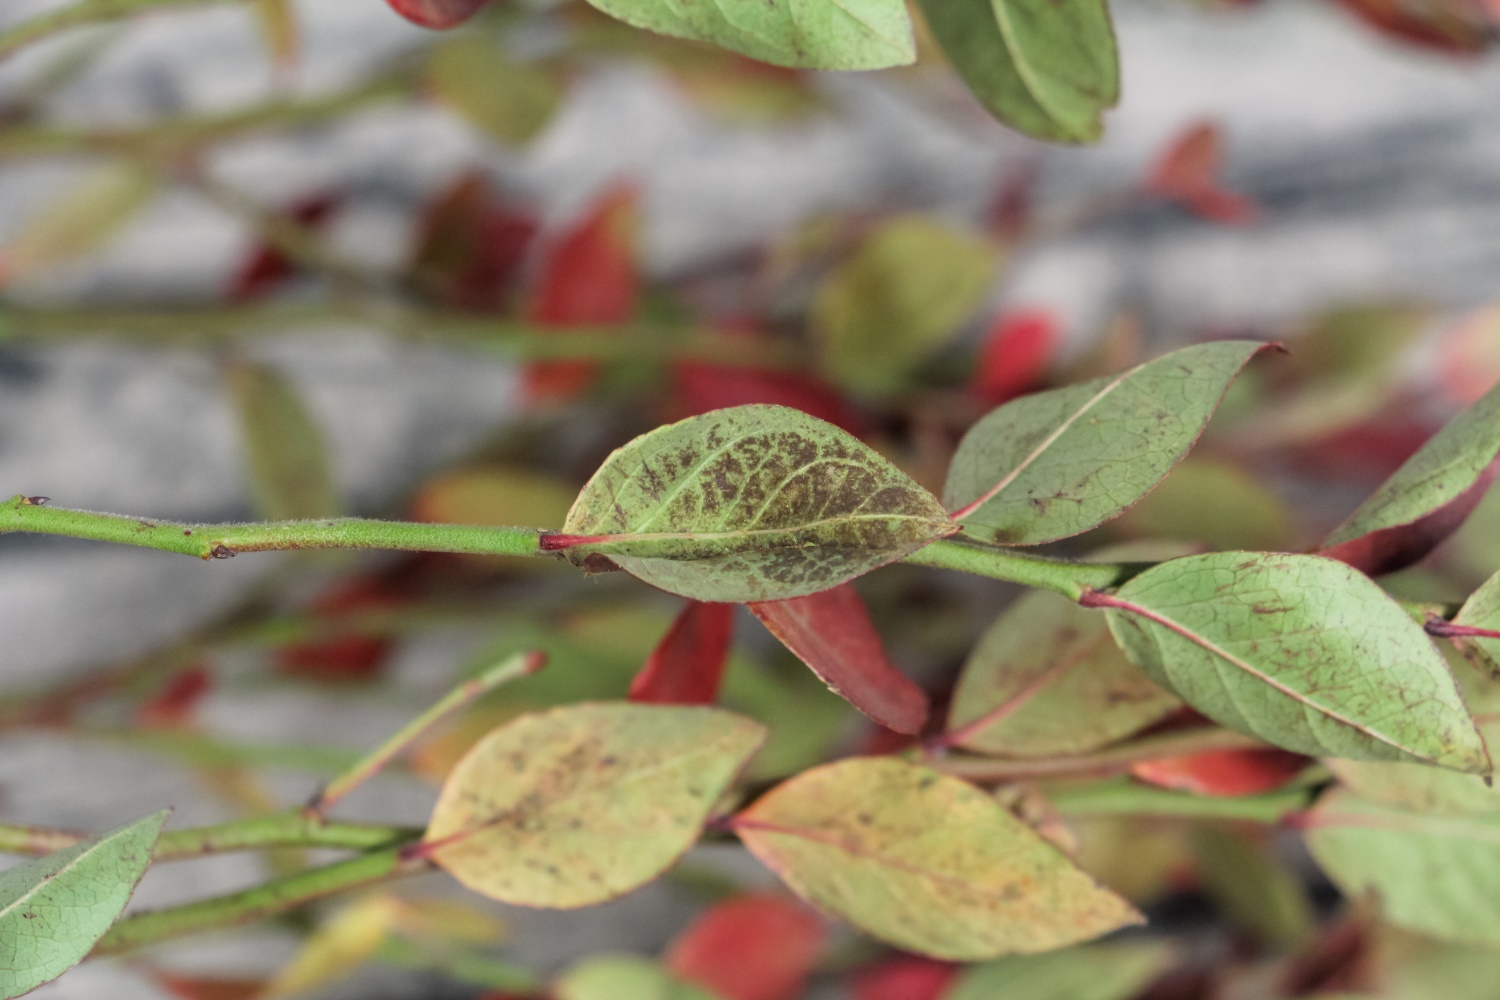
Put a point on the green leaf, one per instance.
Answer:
(1439, 875)
(1207, 501)
(753, 503)
(925, 862)
(1444, 469)
(1053, 681)
(814, 34)
(907, 291)
(1057, 463)
(1044, 68)
(1098, 972)
(288, 466)
(1303, 652)
(624, 977)
(1482, 610)
(53, 909)
(581, 804)
(1243, 874)
(505, 99)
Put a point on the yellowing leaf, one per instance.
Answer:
(582, 804)
(341, 944)
(925, 862)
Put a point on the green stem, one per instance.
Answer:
(288, 829)
(220, 541)
(259, 903)
(512, 668)
(1071, 579)
(1111, 761)
(82, 13)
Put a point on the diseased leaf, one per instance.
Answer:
(1303, 652)
(1223, 772)
(341, 944)
(581, 804)
(857, 838)
(288, 466)
(53, 909)
(1050, 680)
(907, 290)
(814, 34)
(508, 100)
(1427, 498)
(754, 503)
(688, 665)
(624, 977)
(1482, 611)
(832, 633)
(1057, 463)
(1044, 68)
(1439, 875)
(81, 221)
(755, 946)
(1098, 972)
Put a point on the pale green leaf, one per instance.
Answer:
(1052, 681)
(341, 944)
(53, 909)
(502, 97)
(1242, 873)
(1482, 611)
(1303, 652)
(581, 804)
(81, 221)
(1439, 875)
(1444, 469)
(288, 465)
(815, 34)
(1045, 68)
(753, 503)
(1057, 463)
(925, 862)
(1097, 972)
(624, 977)
(907, 290)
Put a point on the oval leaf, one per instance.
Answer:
(624, 977)
(1303, 652)
(925, 862)
(1439, 875)
(1057, 463)
(1101, 972)
(754, 503)
(756, 946)
(288, 465)
(582, 804)
(53, 909)
(1226, 772)
(832, 633)
(1044, 68)
(815, 34)
(906, 292)
(1428, 498)
(1048, 679)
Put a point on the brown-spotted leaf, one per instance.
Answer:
(832, 633)
(581, 804)
(753, 503)
(1058, 463)
(1428, 498)
(925, 862)
(1047, 678)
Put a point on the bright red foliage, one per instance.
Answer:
(437, 14)
(1223, 772)
(904, 977)
(687, 665)
(1015, 355)
(757, 946)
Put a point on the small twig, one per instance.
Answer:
(83, 13)
(513, 668)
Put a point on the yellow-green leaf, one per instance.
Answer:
(341, 944)
(79, 222)
(624, 977)
(289, 469)
(498, 95)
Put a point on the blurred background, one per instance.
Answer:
(288, 259)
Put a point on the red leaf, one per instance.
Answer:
(588, 278)
(752, 947)
(194, 988)
(1008, 216)
(1395, 548)
(831, 633)
(1188, 172)
(437, 13)
(175, 703)
(266, 267)
(1015, 356)
(471, 246)
(904, 977)
(702, 386)
(687, 665)
(1223, 772)
(1434, 26)
(346, 658)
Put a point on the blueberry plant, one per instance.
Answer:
(1183, 690)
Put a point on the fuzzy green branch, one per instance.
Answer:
(1071, 579)
(83, 13)
(259, 903)
(288, 829)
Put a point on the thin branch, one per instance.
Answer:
(1071, 579)
(83, 13)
